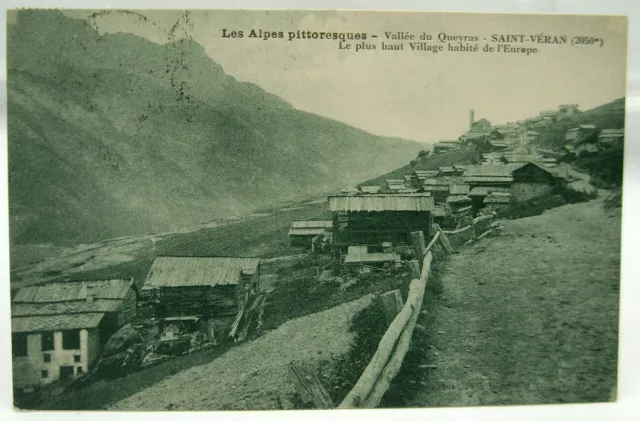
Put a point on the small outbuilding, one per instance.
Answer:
(302, 233)
(611, 138)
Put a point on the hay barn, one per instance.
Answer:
(214, 287)
(302, 233)
(372, 220)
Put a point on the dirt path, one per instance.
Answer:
(529, 317)
(254, 375)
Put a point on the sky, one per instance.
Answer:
(415, 95)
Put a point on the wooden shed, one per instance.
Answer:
(374, 219)
(302, 233)
(201, 286)
(531, 180)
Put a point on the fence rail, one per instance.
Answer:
(387, 361)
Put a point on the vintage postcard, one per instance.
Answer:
(281, 209)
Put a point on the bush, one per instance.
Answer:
(533, 207)
(369, 326)
(605, 167)
(576, 196)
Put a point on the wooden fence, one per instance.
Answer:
(479, 228)
(387, 360)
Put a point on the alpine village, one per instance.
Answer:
(73, 334)
(184, 240)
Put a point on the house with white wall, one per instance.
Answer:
(59, 329)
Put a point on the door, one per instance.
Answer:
(66, 371)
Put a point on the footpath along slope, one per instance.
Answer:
(255, 374)
(529, 317)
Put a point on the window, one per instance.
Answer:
(47, 358)
(71, 339)
(47, 341)
(44, 374)
(79, 370)
(76, 358)
(19, 344)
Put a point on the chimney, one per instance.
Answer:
(471, 119)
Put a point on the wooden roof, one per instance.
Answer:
(55, 323)
(459, 188)
(311, 224)
(113, 289)
(171, 271)
(497, 199)
(66, 305)
(370, 189)
(382, 202)
(485, 191)
(458, 199)
(492, 170)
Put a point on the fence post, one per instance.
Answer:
(473, 230)
(392, 303)
(443, 239)
(415, 268)
(417, 238)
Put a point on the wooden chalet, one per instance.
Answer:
(447, 171)
(459, 189)
(491, 158)
(493, 175)
(498, 202)
(531, 180)
(302, 233)
(374, 219)
(498, 145)
(611, 138)
(419, 176)
(505, 184)
(445, 145)
(395, 184)
(369, 189)
(461, 168)
(349, 190)
(437, 188)
(213, 287)
(580, 133)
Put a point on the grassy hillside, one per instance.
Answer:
(115, 135)
(528, 317)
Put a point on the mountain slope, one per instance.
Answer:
(113, 135)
